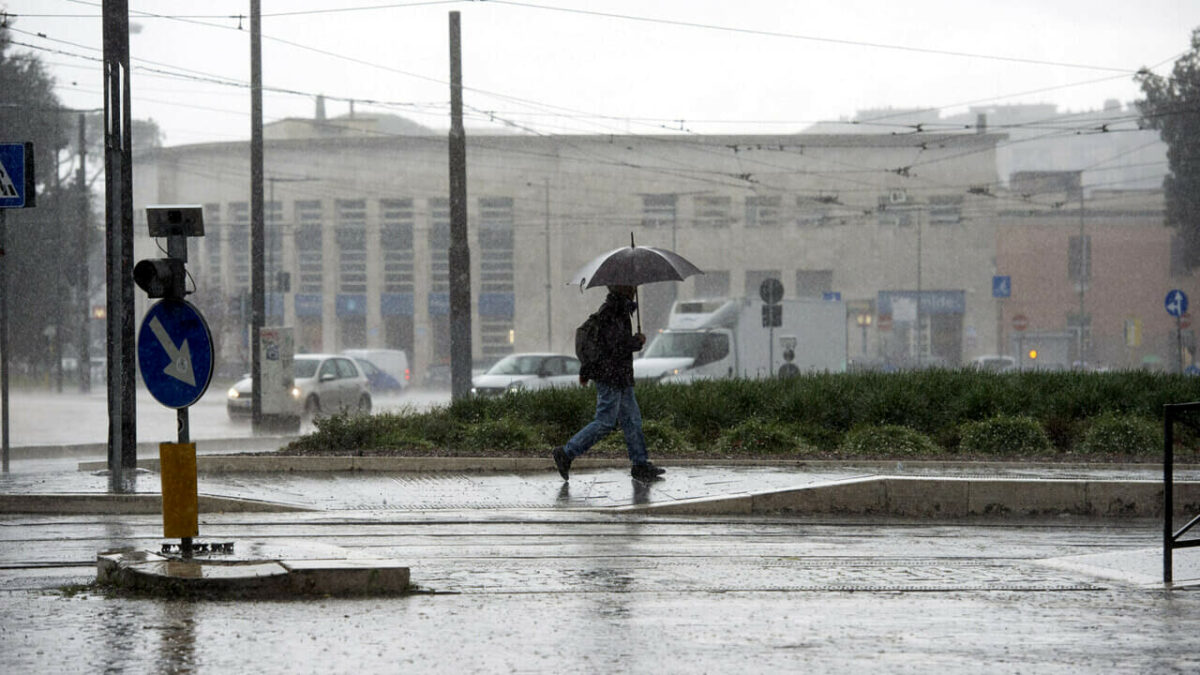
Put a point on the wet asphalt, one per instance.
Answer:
(519, 572)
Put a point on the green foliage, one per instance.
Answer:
(938, 410)
(888, 440)
(1113, 434)
(1172, 105)
(1004, 436)
(503, 435)
(758, 437)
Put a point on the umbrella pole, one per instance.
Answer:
(635, 289)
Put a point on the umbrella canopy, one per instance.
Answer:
(634, 266)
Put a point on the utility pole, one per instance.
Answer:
(85, 231)
(1084, 271)
(257, 287)
(459, 254)
(549, 312)
(118, 223)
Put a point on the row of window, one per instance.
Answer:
(717, 211)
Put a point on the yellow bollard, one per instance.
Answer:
(180, 503)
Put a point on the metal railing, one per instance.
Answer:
(1185, 414)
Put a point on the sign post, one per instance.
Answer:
(1001, 291)
(175, 356)
(1176, 304)
(17, 191)
(771, 292)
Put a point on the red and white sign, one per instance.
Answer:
(885, 322)
(1020, 322)
(1185, 320)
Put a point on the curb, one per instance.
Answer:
(144, 572)
(127, 504)
(950, 498)
(300, 463)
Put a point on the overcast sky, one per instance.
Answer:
(610, 66)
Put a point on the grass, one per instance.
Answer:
(928, 414)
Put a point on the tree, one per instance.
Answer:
(42, 243)
(1172, 105)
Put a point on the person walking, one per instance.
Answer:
(612, 372)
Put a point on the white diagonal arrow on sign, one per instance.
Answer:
(180, 366)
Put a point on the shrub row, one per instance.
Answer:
(854, 414)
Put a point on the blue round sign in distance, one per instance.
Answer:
(175, 353)
(1176, 303)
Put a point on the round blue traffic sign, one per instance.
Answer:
(175, 353)
(1176, 302)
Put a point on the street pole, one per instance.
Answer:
(257, 294)
(118, 222)
(459, 254)
(4, 336)
(549, 312)
(1083, 270)
(85, 339)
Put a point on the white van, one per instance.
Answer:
(394, 362)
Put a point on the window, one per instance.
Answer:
(496, 286)
(813, 283)
(712, 284)
(713, 211)
(1179, 266)
(439, 245)
(658, 210)
(396, 242)
(762, 211)
(309, 246)
(1079, 260)
(239, 245)
(352, 245)
(945, 209)
(755, 278)
(212, 243)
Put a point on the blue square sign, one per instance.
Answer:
(1002, 286)
(16, 175)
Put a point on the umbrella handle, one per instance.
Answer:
(638, 307)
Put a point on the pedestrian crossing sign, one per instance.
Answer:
(16, 176)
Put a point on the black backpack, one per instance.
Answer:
(587, 342)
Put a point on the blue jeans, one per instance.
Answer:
(613, 405)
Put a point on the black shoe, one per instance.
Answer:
(562, 463)
(646, 472)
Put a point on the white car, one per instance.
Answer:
(516, 372)
(323, 383)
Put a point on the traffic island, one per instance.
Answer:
(225, 577)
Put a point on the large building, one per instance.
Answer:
(901, 227)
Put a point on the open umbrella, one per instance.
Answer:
(633, 266)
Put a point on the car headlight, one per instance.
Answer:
(516, 386)
(296, 393)
(233, 393)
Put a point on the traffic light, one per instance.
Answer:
(161, 277)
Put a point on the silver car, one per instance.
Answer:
(527, 371)
(323, 383)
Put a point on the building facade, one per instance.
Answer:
(903, 228)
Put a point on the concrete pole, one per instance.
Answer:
(459, 254)
(257, 287)
(85, 338)
(118, 217)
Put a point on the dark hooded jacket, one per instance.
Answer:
(617, 344)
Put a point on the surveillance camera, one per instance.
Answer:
(185, 220)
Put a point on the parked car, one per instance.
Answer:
(323, 383)
(380, 382)
(527, 371)
(994, 363)
(393, 362)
